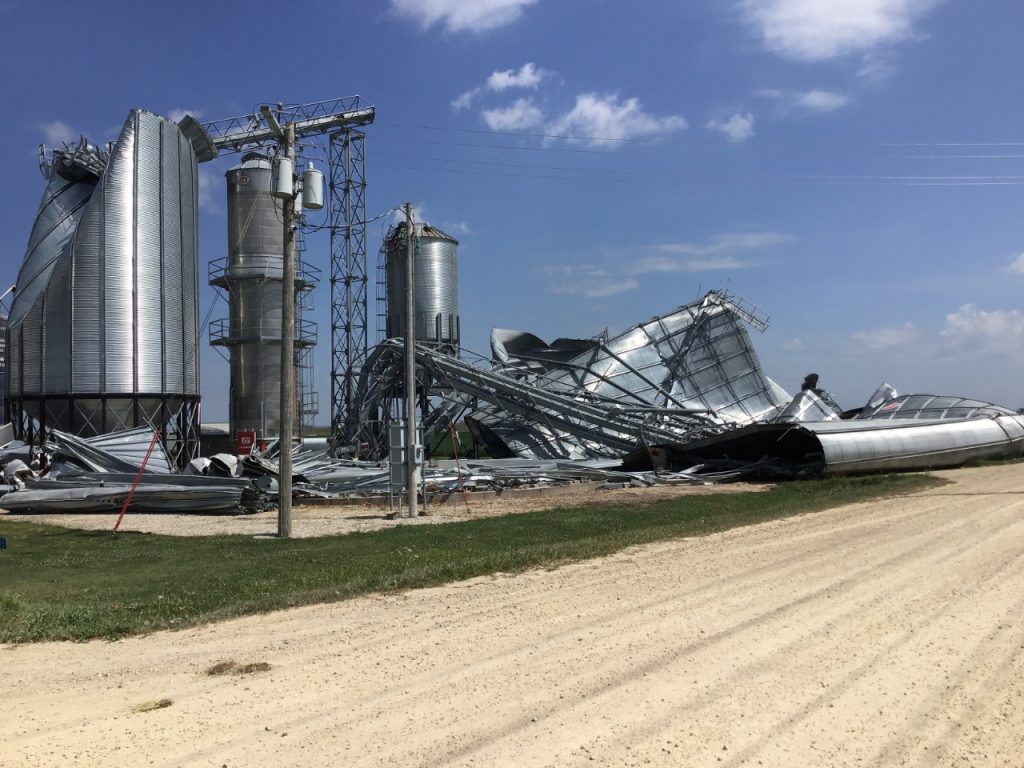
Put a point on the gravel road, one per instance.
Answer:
(878, 634)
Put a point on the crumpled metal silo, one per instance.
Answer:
(103, 329)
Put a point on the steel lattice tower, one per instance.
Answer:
(347, 222)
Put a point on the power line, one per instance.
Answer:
(621, 153)
(850, 180)
(721, 142)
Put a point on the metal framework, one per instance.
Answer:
(238, 133)
(681, 376)
(347, 222)
(175, 416)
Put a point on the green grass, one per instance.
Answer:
(64, 584)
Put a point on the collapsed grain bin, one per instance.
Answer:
(103, 329)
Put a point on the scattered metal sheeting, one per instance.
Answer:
(693, 372)
(932, 407)
(132, 445)
(854, 446)
(115, 452)
(97, 475)
(107, 491)
(329, 478)
(685, 375)
(807, 406)
(512, 473)
(11, 449)
(6, 435)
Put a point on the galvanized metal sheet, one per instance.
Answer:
(106, 300)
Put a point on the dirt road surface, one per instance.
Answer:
(880, 634)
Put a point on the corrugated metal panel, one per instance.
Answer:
(107, 292)
(59, 213)
(188, 181)
(169, 303)
(32, 349)
(57, 338)
(87, 304)
(117, 256)
(435, 272)
(148, 334)
(862, 446)
(14, 357)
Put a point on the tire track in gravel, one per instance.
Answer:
(663, 560)
(492, 666)
(740, 675)
(664, 653)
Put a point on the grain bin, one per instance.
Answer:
(436, 283)
(252, 275)
(103, 329)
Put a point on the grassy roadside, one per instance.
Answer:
(63, 584)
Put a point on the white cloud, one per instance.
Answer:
(795, 344)
(460, 15)
(177, 114)
(736, 129)
(589, 280)
(419, 214)
(718, 253)
(876, 66)
(209, 184)
(977, 330)
(886, 339)
(528, 76)
(1017, 265)
(57, 132)
(619, 273)
(821, 101)
(812, 30)
(516, 117)
(726, 242)
(814, 101)
(465, 100)
(675, 264)
(459, 228)
(603, 120)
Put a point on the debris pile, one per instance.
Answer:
(681, 392)
(72, 474)
(681, 398)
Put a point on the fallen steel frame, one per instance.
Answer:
(681, 376)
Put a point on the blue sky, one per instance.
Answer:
(854, 168)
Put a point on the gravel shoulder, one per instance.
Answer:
(877, 634)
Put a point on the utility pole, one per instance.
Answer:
(412, 475)
(284, 476)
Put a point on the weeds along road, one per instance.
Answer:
(886, 633)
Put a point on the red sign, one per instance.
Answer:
(244, 442)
